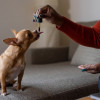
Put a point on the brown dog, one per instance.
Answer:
(12, 61)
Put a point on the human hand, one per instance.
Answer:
(50, 15)
(91, 68)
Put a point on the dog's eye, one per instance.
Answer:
(29, 35)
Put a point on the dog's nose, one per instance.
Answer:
(35, 31)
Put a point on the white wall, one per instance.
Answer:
(14, 14)
(17, 14)
(84, 10)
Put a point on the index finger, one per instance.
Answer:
(44, 9)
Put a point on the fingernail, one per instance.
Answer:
(83, 70)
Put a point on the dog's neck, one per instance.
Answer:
(14, 52)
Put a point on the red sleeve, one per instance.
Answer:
(87, 36)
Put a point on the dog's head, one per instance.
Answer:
(23, 38)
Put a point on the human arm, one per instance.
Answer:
(87, 36)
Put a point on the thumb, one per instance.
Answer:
(92, 71)
(45, 15)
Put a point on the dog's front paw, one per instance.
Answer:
(4, 94)
(20, 90)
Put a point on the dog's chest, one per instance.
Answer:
(15, 72)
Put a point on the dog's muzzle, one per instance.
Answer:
(37, 34)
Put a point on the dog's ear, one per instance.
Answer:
(14, 31)
(11, 41)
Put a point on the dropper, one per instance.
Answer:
(38, 20)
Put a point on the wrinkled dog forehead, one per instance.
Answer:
(23, 34)
(24, 31)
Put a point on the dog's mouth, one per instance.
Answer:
(37, 34)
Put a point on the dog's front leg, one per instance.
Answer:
(3, 85)
(20, 76)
